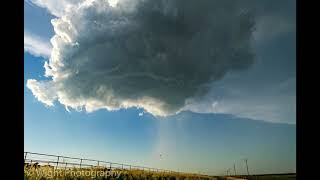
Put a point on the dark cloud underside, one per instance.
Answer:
(153, 56)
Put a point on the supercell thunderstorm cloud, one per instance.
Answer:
(144, 53)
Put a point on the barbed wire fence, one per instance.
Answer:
(65, 162)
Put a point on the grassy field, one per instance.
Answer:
(264, 177)
(101, 173)
(275, 177)
(45, 172)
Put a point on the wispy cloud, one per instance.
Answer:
(58, 7)
(36, 46)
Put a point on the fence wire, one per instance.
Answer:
(65, 162)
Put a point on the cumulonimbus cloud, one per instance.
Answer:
(144, 53)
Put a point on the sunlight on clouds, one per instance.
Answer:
(153, 56)
(113, 3)
(38, 89)
(36, 46)
(59, 7)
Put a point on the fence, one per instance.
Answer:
(65, 162)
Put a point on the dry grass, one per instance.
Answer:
(100, 173)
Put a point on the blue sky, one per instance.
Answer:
(246, 114)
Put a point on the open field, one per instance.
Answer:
(262, 177)
(275, 176)
(44, 166)
(101, 173)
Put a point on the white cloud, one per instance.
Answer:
(38, 89)
(59, 7)
(93, 82)
(153, 56)
(36, 46)
(56, 7)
